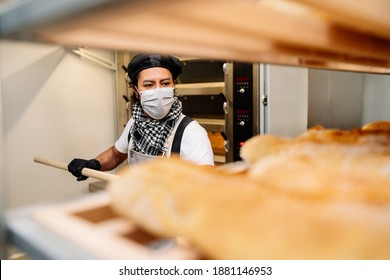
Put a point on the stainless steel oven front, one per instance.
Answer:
(223, 97)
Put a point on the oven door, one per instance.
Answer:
(200, 88)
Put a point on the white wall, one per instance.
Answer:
(376, 96)
(287, 100)
(347, 100)
(55, 105)
(335, 99)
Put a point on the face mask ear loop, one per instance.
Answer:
(135, 89)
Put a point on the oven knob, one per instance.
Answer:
(225, 68)
(242, 90)
(242, 123)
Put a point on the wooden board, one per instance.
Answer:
(345, 35)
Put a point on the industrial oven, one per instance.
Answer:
(224, 98)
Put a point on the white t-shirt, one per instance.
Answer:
(195, 144)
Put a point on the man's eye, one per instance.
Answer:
(148, 85)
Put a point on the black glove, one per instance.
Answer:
(77, 164)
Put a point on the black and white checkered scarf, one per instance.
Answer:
(149, 135)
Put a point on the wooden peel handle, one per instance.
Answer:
(86, 171)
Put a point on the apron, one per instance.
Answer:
(137, 157)
(134, 157)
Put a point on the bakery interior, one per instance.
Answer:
(64, 94)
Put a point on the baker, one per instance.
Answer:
(157, 128)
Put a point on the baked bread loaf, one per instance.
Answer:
(322, 195)
(377, 126)
(318, 141)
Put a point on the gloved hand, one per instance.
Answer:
(77, 164)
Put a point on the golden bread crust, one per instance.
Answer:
(322, 195)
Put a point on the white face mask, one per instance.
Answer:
(157, 102)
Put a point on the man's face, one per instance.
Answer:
(153, 78)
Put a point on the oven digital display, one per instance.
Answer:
(243, 79)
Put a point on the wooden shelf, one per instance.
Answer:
(332, 34)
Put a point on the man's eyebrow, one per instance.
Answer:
(148, 81)
(152, 81)
(165, 79)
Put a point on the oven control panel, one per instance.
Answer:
(243, 88)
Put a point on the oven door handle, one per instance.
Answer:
(226, 107)
(225, 103)
(226, 141)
